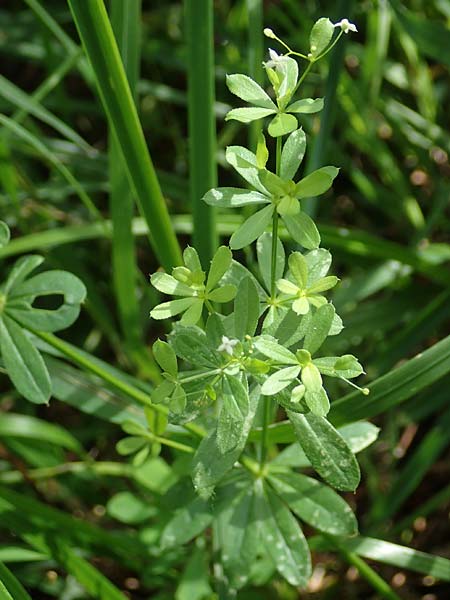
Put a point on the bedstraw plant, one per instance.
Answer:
(249, 344)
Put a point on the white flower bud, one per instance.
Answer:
(269, 33)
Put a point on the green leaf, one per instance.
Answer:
(292, 154)
(219, 266)
(47, 284)
(319, 328)
(279, 380)
(282, 124)
(269, 346)
(191, 345)
(303, 229)
(316, 183)
(299, 268)
(193, 314)
(315, 503)
(172, 308)
(10, 587)
(232, 413)
(21, 269)
(246, 164)
(395, 555)
(273, 183)
(233, 197)
(252, 228)
(264, 253)
(167, 284)
(237, 530)
(129, 508)
(225, 293)
(306, 106)
(316, 400)
(194, 582)
(4, 234)
(339, 366)
(319, 263)
(246, 309)
(248, 114)
(282, 537)
(245, 88)
(210, 464)
(130, 445)
(262, 153)
(28, 427)
(165, 357)
(327, 451)
(23, 363)
(287, 70)
(188, 522)
(320, 36)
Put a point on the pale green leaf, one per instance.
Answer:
(252, 228)
(4, 234)
(316, 183)
(282, 124)
(167, 284)
(303, 230)
(165, 357)
(279, 380)
(246, 165)
(320, 36)
(269, 346)
(318, 328)
(245, 88)
(225, 293)
(246, 308)
(306, 106)
(248, 114)
(292, 154)
(234, 197)
(219, 266)
(264, 254)
(172, 308)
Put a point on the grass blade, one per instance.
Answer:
(10, 587)
(202, 124)
(98, 40)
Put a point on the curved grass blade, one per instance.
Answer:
(98, 40)
(10, 586)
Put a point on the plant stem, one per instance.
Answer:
(273, 269)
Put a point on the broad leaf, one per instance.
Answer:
(210, 464)
(165, 357)
(319, 327)
(316, 183)
(172, 308)
(246, 165)
(219, 266)
(306, 106)
(248, 114)
(191, 345)
(279, 380)
(245, 88)
(292, 154)
(252, 228)
(320, 36)
(315, 503)
(282, 537)
(188, 521)
(282, 124)
(167, 284)
(234, 410)
(246, 309)
(303, 229)
(327, 451)
(23, 362)
(269, 346)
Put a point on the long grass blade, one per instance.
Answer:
(10, 586)
(98, 40)
(202, 124)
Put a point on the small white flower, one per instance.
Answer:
(346, 26)
(227, 345)
(275, 59)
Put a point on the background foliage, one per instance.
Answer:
(75, 515)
